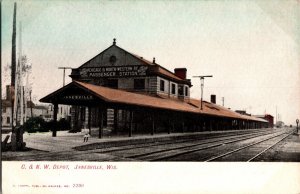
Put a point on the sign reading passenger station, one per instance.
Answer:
(117, 71)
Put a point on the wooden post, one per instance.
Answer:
(116, 119)
(89, 120)
(130, 123)
(101, 120)
(173, 126)
(153, 123)
(169, 126)
(201, 124)
(55, 109)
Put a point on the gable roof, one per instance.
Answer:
(161, 70)
(116, 96)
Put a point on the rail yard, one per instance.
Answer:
(242, 146)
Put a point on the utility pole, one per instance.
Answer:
(13, 79)
(64, 68)
(64, 75)
(202, 86)
(223, 100)
(276, 116)
(30, 91)
(13, 68)
(297, 121)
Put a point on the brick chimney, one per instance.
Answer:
(180, 72)
(213, 98)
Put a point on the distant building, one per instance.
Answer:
(279, 124)
(32, 110)
(7, 109)
(267, 117)
(64, 111)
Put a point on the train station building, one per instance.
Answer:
(122, 93)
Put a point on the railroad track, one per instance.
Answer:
(272, 142)
(166, 151)
(222, 147)
(168, 142)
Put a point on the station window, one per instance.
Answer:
(113, 83)
(4, 109)
(173, 88)
(186, 91)
(180, 90)
(162, 85)
(8, 120)
(139, 84)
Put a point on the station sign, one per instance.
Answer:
(78, 97)
(114, 71)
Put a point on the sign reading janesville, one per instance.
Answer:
(78, 97)
(117, 71)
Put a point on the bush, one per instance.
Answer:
(38, 124)
(62, 125)
(35, 124)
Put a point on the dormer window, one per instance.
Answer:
(186, 91)
(180, 90)
(173, 88)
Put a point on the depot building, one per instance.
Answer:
(121, 93)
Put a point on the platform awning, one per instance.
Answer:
(84, 94)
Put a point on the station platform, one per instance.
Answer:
(70, 141)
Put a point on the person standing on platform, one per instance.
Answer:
(86, 137)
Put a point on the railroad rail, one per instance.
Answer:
(250, 145)
(158, 151)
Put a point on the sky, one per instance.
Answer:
(250, 47)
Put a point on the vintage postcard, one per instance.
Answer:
(150, 96)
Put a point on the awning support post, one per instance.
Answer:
(55, 109)
(101, 111)
(169, 126)
(89, 120)
(116, 121)
(153, 123)
(130, 123)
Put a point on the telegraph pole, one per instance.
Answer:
(13, 79)
(64, 68)
(64, 75)
(297, 121)
(202, 86)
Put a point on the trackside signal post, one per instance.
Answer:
(202, 86)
